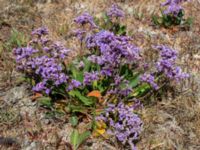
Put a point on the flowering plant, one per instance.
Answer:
(123, 122)
(172, 14)
(111, 65)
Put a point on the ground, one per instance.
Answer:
(173, 123)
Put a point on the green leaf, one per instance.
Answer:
(87, 101)
(122, 30)
(167, 20)
(95, 84)
(141, 90)
(45, 101)
(188, 22)
(79, 109)
(83, 137)
(74, 139)
(87, 64)
(77, 74)
(181, 14)
(72, 93)
(156, 20)
(134, 81)
(105, 17)
(74, 120)
(77, 139)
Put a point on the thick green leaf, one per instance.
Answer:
(83, 137)
(77, 74)
(72, 93)
(74, 139)
(45, 101)
(95, 84)
(77, 139)
(84, 99)
(141, 90)
(87, 64)
(134, 81)
(87, 101)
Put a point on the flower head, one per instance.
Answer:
(85, 18)
(115, 11)
(174, 6)
(40, 31)
(73, 84)
(149, 78)
(89, 77)
(125, 125)
(167, 63)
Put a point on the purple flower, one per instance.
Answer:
(115, 11)
(96, 59)
(174, 6)
(23, 53)
(114, 50)
(173, 9)
(44, 64)
(73, 84)
(40, 87)
(125, 92)
(89, 77)
(118, 80)
(123, 123)
(106, 72)
(149, 78)
(167, 63)
(85, 18)
(168, 2)
(80, 34)
(40, 31)
(81, 65)
(44, 41)
(59, 51)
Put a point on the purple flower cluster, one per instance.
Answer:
(89, 77)
(114, 50)
(80, 34)
(117, 90)
(115, 11)
(149, 78)
(85, 18)
(23, 53)
(167, 63)
(41, 31)
(59, 51)
(174, 6)
(124, 123)
(41, 60)
(74, 84)
(45, 68)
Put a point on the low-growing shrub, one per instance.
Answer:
(109, 75)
